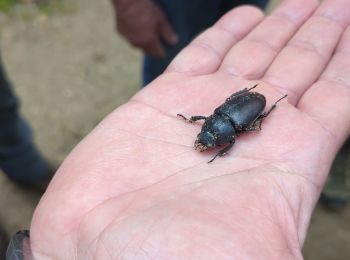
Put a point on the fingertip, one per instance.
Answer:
(250, 12)
(288, 9)
(172, 39)
(167, 32)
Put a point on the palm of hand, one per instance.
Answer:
(139, 190)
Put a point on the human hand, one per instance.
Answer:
(136, 189)
(144, 25)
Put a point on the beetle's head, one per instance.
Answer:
(204, 141)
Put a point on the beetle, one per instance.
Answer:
(242, 112)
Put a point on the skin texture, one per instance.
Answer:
(134, 188)
(144, 25)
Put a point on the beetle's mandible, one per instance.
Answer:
(242, 112)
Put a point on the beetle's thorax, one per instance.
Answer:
(216, 130)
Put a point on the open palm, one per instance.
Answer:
(136, 189)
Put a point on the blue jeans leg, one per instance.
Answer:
(19, 158)
(188, 19)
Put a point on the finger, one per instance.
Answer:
(205, 54)
(167, 33)
(154, 48)
(304, 58)
(251, 57)
(328, 100)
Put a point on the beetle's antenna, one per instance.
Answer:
(252, 87)
(273, 106)
(281, 99)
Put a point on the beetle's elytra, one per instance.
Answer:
(242, 112)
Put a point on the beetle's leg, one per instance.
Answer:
(196, 118)
(256, 126)
(193, 118)
(265, 114)
(241, 92)
(223, 151)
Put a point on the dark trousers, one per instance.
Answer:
(19, 158)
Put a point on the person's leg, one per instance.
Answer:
(4, 240)
(19, 158)
(336, 193)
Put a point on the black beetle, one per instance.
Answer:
(242, 112)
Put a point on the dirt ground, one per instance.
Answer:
(70, 70)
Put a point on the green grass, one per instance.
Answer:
(6, 5)
(55, 6)
(47, 7)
